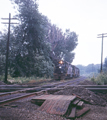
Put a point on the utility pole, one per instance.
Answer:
(102, 36)
(7, 46)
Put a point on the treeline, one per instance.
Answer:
(35, 43)
(93, 68)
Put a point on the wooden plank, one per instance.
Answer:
(82, 111)
(40, 99)
(49, 108)
(80, 104)
(69, 108)
(45, 97)
(73, 113)
(60, 107)
(58, 97)
(50, 97)
(86, 101)
(53, 108)
(55, 104)
(46, 107)
(66, 97)
(76, 102)
(63, 106)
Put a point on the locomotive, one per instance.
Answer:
(64, 70)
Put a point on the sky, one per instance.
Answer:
(87, 18)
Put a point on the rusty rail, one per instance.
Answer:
(3, 102)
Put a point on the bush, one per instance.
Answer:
(101, 79)
(93, 79)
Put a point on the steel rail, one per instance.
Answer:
(35, 89)
(3, 102)
(97, 89)
(89, 86)
(49, 88)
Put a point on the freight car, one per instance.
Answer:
(64, 70)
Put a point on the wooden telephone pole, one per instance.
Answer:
(102, 36)
(7, 46)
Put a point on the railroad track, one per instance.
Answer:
(8, 97)
(21, 92)
(11, 97)
(9, 88)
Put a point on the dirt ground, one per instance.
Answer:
(96, 113)
(83, 93)
(25, 110)
(87, 82)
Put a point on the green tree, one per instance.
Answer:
(71, 40)
(105, 64)
(62, 43)
(34, 40)
(29, 40)
(3, 38)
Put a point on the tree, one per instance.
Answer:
(29, 40)
(87, 70)
(90, 68)
(62, 43)
(3, 38)
(105, 64)
(71, 40)
(33, 42)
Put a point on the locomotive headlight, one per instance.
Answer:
(61, 62)
(60, 67)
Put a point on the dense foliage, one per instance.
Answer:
(2, 53)
(105, 64)
(101, 78)
(62, 43)
(35, 43)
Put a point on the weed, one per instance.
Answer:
(101, 79)
(21, 80)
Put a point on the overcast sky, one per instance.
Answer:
(87, 18)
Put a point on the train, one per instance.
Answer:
(65, 70)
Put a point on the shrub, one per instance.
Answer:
(101, 79)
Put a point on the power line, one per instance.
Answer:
(7, 46)
(102, 36)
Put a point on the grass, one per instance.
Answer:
(21, 80)
(100, 79)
